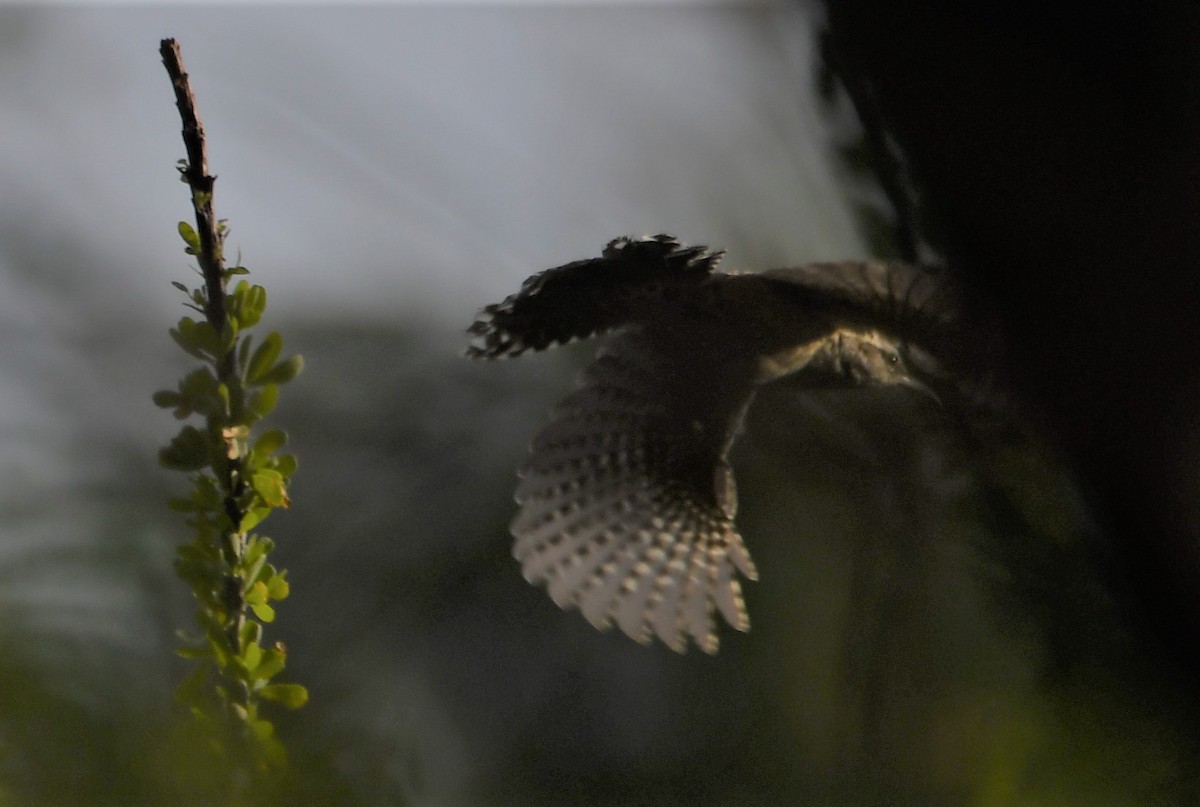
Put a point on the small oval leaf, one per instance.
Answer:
(263, 402)
(188, 234)
(293, 696)
(188, 451)
(264, 358)
(264, 612)
(167, 399)
(271, 487)
(285, 371)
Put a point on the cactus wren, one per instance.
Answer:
(627, 499)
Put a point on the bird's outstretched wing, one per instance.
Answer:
(627, 500)
(917, 304)
(589, 297)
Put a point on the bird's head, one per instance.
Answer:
(866, 358)
(863, 358)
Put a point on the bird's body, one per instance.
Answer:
(627, 498)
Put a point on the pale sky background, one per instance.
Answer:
(376, 158)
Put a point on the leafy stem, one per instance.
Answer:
(237, 478)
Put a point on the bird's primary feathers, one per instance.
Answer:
(627, 500)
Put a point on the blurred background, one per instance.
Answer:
(936, 623)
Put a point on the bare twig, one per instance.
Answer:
(195, 173)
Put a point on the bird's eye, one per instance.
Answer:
(893, 358)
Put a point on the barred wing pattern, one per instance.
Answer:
(588, 297)
(627, 500)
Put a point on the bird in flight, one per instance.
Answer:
(627, 499)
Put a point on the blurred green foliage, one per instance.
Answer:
(237, 480)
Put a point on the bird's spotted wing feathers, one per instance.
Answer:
(627, 503)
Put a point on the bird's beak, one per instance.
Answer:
(921, 387)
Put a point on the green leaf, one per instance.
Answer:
(271, 486)
(268, 752)
(205, 495)
(194, 653)
(210, 623)
(170, 399)
(191, 690)
(251, 632)
(263, 358)
(197, 551)
(185, 337)
(278, 588)
(263, 611)
(246, 303)
(256, 598)
(199, 391)
(257, 548)
(183, 505)
(293, 696)
(285, 464)
(199, 339)
(253, 305)
(236, 270)
(254, 516)
(262, 729)
(217, 642)
(244, 351)
(253, 570)
(256, 594)
(194, 572)
(285, 371)
(252, 656)
(270, 442)
(167, 399)
(262, 402)
(190, 238)
(272, 663)
(188, 451)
